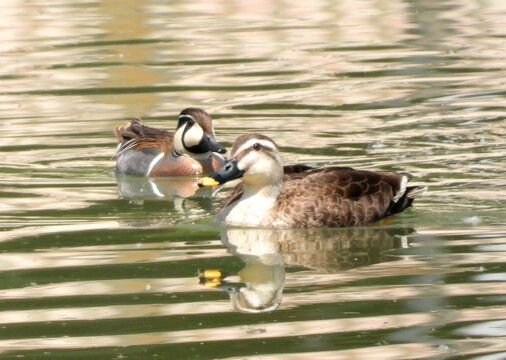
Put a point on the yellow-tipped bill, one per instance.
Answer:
(207, 181)
(210, 274)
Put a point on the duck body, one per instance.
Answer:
(325, 197)
(330, 197)
(154, 162)
(148, 151)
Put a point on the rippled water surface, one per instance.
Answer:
(98, 267)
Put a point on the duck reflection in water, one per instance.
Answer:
(160, 188)
(265, 253)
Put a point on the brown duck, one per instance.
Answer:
(148, 151)
(304, 197)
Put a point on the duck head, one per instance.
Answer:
(254, 158)
(194, 135)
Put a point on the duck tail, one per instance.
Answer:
(406, 199)
(414, 191)
(130, 131)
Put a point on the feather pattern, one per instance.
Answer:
(136, 136)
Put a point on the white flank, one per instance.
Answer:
(402, 190)
(153, 162)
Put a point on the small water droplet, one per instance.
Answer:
(473, 220)
(443, 347)
(255, 331)
(378, 146)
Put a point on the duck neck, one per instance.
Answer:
(263, 191)
(198, 157)
(202, 157)
(270, 191)
(255, 205)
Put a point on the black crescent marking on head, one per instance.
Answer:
(183, 119)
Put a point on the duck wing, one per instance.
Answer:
(136, 136)
(337, 196)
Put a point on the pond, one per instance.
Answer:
(94, 266)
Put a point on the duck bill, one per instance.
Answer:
(208, 143)
(212, 145)
(227, 172)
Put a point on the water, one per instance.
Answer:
(92, 266)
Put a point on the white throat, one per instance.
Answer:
(251, 209)
(269, 191)
(254, 208)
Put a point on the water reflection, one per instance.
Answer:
(370, 84)
(262, 279)
(141, 188)
(258, 287)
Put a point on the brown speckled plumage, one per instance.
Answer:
(334, 196)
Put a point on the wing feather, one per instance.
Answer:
(337, 196)
(136, 136)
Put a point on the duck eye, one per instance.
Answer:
(256, 146)
(190, 122)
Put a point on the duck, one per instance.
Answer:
(189, 151)
(331, 196)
